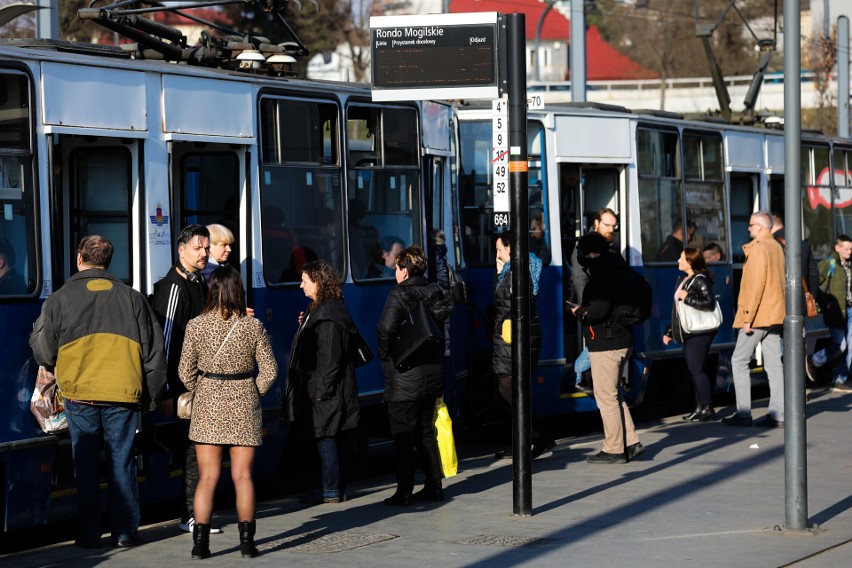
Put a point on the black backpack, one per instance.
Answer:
(635, 298)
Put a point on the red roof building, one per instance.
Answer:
(603, 61)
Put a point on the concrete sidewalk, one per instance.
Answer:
(706, 494)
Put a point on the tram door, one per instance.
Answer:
(207, 187)
(744, 202)
(95, 181)
(583, 191)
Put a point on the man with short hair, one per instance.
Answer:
(390, 247)
(107, 351)
(604, 224)
(760, 315)
(178, 297)
(835, 298)
(674, 243)
(712, 253)
(609, 343)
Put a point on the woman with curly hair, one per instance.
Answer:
(321, 387)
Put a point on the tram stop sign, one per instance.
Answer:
(436, 56)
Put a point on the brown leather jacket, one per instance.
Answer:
(762, 291)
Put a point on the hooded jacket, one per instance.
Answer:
(102, 339)
(601, 331)
(423, 381)
(502, 357)
(321, 380)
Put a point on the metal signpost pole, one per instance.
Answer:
(795, 455)
(520, 246)
(843, 77)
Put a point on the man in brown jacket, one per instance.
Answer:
(760, 316)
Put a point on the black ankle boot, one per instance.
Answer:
(247, 547)
(430, 492)
(201, 541)
(706, 414)
(692, 416)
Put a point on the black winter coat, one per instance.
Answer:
(601, 331)
(321, 381)
(424, 381)
(501, 360)
(699, 295)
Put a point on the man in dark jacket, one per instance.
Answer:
(107, 350)
(609, 345)
(411, 394)
(178, 297)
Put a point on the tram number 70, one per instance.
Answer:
(501, 219)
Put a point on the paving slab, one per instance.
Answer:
(704, 494)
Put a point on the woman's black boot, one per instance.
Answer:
(201, 541)
(247, 547)
(692, 417)
(706, 414)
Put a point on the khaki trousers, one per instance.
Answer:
(606, 373)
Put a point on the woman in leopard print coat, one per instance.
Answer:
(222, 344)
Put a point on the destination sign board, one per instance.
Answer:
(437, 56)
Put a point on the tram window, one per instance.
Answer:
(18, 261)
(300, 191)
(14, 112)
(704, 190)
(475, 180)
(662, 226)
(384, 187)
(816, 199)
(843, 191)
(295, 131)
(743, 204)
(101, 187)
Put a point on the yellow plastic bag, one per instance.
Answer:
(446, 442)
(506, 331)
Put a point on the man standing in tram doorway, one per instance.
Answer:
(178, 297)
(760, 315)
(605, 224)
(107, 351)
(610, 343)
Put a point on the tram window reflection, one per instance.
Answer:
(660, 198)
(300, 189)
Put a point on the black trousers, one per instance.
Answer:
(412, 424)
(539, 431)
(695, 350)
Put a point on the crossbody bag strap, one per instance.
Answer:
(224, 341)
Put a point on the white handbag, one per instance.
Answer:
(693, 320)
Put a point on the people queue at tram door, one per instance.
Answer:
(199, 345)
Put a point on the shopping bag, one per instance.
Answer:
(446, 443)
(46, 403)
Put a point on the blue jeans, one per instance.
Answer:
(582, 364)
(330, 463)
(116, 427)
(841, 340)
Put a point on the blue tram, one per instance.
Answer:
(655, 170)
(94, 141)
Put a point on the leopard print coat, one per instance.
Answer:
(226, 412)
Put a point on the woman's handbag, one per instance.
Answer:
(811, 309)
(693, 320)
(446, 442)
(419, 340)
(184, 401)
(361, 352)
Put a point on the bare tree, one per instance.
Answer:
(821, 59)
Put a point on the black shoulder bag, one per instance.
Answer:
(419, 339)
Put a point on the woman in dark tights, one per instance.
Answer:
(696, 289)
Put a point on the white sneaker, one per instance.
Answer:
(190, 523)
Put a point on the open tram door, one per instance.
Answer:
(95, 190)
(209, 185)
(584, 190)
(745, 200)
